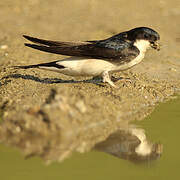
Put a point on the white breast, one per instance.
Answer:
(142, 45)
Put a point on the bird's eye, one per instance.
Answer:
(146, 36)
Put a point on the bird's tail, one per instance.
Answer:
(43, 65)
(26, 67)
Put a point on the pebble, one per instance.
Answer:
(4, 47)
(172, 69)
(81, 106)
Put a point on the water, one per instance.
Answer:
(163, 125)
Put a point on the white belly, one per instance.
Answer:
(85, 67)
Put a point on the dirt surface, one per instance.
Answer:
(51, 115)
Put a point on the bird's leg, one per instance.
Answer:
(106, 78)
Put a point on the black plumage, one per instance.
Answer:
(113, 50)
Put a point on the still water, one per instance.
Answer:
(163, 125)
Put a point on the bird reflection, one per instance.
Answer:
(131, 144)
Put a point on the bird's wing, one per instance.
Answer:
(111, 49)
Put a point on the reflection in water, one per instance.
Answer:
(53, 131)
(131, 144)
(163, 125)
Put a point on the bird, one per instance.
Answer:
(97, 57)
(131, 144)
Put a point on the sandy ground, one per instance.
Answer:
(51, 115)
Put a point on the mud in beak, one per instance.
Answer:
(155, 45)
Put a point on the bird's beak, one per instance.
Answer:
(155, 45)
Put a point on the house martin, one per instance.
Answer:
(98, 57)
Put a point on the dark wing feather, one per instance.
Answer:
(113, 49)
(47, 42)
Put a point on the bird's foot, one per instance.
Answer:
(106, 78)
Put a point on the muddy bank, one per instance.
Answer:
(52, 115)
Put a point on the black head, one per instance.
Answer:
(144, 33)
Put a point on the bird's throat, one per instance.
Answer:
(142, 45)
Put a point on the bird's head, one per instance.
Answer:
(144, 37)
